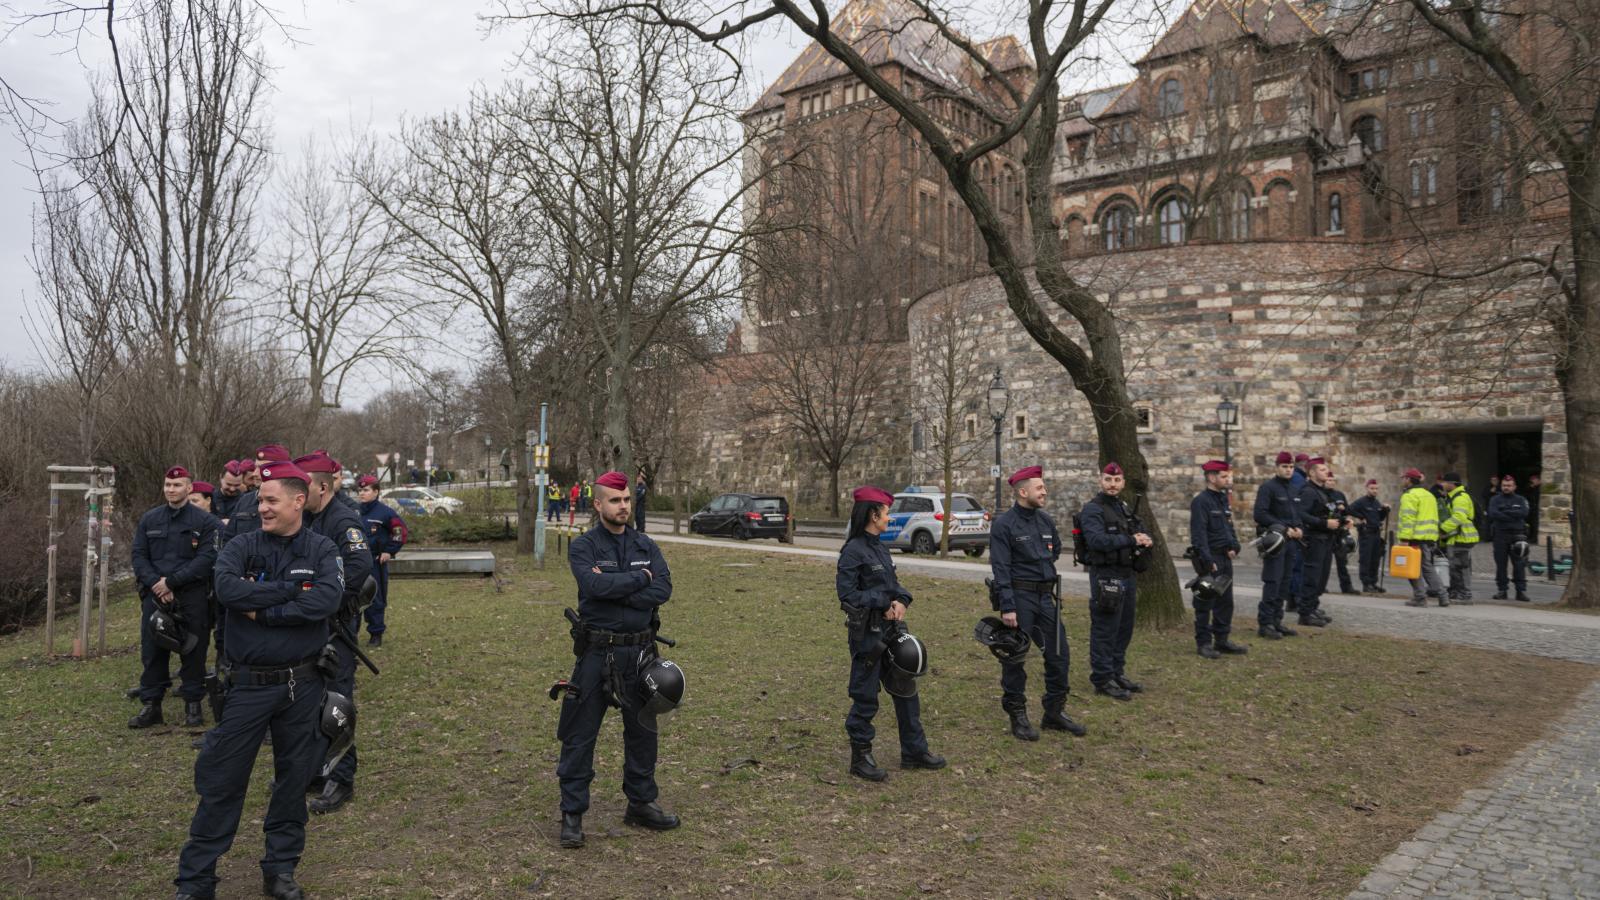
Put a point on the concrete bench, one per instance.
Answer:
(428, 562)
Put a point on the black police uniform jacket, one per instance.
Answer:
(1277, 503)
(340, 522)
(179, 545)
(1369, 514)
(1316, 508)
(619, 597)
(1211, 527)
(1023, 545)
(244, 516)
(293, 585)
(1108, 529)
(1508, 516)
(866, 577)
(225, 507)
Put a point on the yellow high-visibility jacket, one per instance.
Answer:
(1457, 527)
(1419, 516)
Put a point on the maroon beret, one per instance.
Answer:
(1316, 461)
(614, 480)
(274, 471)
(1111, 469)
(1302, 457)
(1285, 458)
(869, 494)
(1510, 478)
(1214, 465)
(178, 472)
(246, 466)
(1371, 481)
(1024, 473)
(318, 461)
(367, 481)
(231, 467)
(273, 453)
(204, 487)
(1414, 474)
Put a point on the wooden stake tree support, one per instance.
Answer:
(96, 484)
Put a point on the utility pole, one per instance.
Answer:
(541, 455)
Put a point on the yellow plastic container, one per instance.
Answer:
(1405, 562)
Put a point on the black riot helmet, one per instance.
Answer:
(1271, 542)
(661, 690)
(1520, 550)
(1210, 587)
(369, 590)
(339, 724)
(1009, 645)
(905, 660)
(168, 632)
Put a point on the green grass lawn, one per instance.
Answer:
(1286, 773)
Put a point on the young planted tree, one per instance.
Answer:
(1026, 107)
(947, 352)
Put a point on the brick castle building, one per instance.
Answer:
(1267, 204)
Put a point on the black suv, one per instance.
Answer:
(745, 516)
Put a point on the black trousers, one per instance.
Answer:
(581, 715)
(1274, 572)
(222, 777)
(194, 607)
(1318, 558)
(1217, 622)
(866, 676)
(1371, 549)
(1341, 563)
(1502, 556)
(1037, 617)
(1111, 630)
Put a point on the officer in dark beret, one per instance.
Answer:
(1277, 506)
(335, 518)
(242, 515)
(230, 491)
(200, 493)
(174, 550)
(1117, 549)
(1024, 545)
(874, 602)
(386, 535)
(1215, 545)
(278, 585)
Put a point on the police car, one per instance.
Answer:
(917, 519)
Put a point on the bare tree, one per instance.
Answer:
(334, 270)
(1025, 107)
(947, 350)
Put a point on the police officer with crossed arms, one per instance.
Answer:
(1118, 549)
(622, 581)
(1216, 545)
(174, 550)
(278, 586)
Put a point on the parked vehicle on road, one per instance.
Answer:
(745, 516)
(433, 502)
(916, 520)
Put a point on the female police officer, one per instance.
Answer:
(875, 609)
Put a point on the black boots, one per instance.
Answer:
(375, 640)
(649, 815)
(1500, 595)
(571, 830)
(927, 759)
(191, 714)
(1056, 720)
(1128, 684)
(281, 887)
(1267, 632)
(149, 714)
(1114, 690)
(333, 796)
(1522, 597)
(1225, 645)
(862, 765)
(1206, 651)
(1021, 728)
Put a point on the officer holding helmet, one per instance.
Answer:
(1508, 522)
(278, 586)
(1277, 508)
(386, 535)
(875, 606)
(1117, 549)
(622, 581)
(1024, 545)
(174, 550)
(1215, 546)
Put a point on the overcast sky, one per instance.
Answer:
(352, 61)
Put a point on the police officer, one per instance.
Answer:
(277, 585)
(252, 471)
(1277, 505)
(200, 493)
(875, 606)
(1216, 546)
(1371, 515)
(386, 534)
(243, 516)
(1296, 570)
(1023, 548)
(230, 491)
(1118, 548)
(1341, 551)
(335, 518)
(174, 550)
(1508, 521)
(622, 581)
(1321, 522)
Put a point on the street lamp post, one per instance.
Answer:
(488, 442)
(1227, 418)
(999, 402)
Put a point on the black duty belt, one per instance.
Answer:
(1037, 587)
(602, 638)
(268, 675)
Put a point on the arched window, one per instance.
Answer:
(1171, 219)
(1239, 221)
(1335, 214)
(1169, 101)
(1118, 225)
(1370, 130)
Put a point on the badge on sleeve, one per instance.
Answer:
(355, 538)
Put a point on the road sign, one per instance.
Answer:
(383, 458)
(994, 471)
(541, 456)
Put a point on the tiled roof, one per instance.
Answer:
(1091, 105)
(1210, 22)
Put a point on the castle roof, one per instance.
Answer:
(893, 31)
(1208, 23)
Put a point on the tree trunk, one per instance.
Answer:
(1578, 371)
(525, 509)
(949, 496)
(617, 437)
(833, 491)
